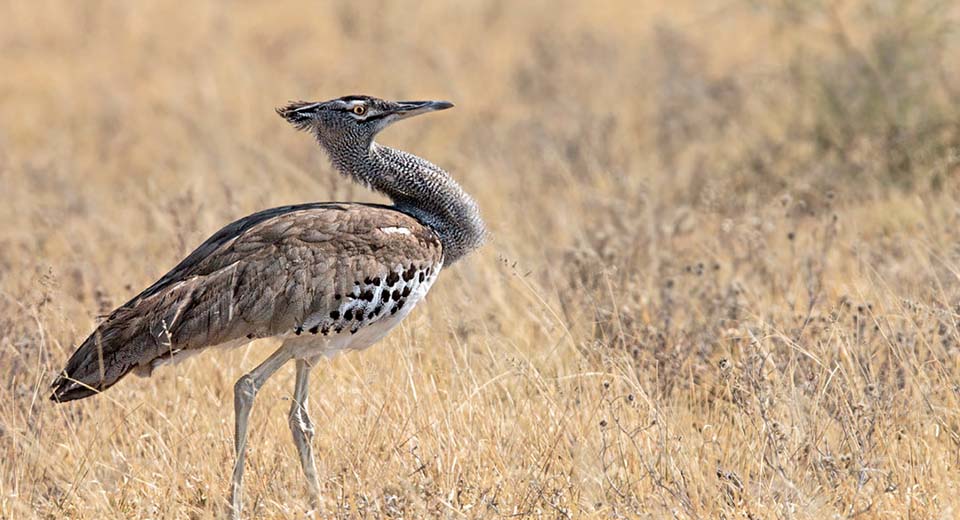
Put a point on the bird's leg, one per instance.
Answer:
(302, 428)
(244, 391)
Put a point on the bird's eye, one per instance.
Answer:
(359, 110)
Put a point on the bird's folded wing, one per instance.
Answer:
(271, 273)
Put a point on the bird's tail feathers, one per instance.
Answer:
(98, 364)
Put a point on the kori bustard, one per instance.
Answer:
(322, 277)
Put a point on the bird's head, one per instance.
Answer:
(353, 117)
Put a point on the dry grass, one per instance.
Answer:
(724, 279)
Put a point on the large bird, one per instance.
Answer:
(322, 277)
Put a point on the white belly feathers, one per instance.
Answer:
(374, 306)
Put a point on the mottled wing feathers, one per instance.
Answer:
(260, 276)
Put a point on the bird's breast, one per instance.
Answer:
(374, 307)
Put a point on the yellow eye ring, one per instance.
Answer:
(359, 110)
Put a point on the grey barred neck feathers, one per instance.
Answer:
(416, 187)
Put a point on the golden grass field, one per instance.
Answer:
(723, 279)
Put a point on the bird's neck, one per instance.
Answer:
(421, 189)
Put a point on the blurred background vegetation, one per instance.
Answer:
(722, 280)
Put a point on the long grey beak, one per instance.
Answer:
(407, 109)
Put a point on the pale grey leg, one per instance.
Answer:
(244, 391)
(302, 428)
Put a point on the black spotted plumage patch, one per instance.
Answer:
(374, 298)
